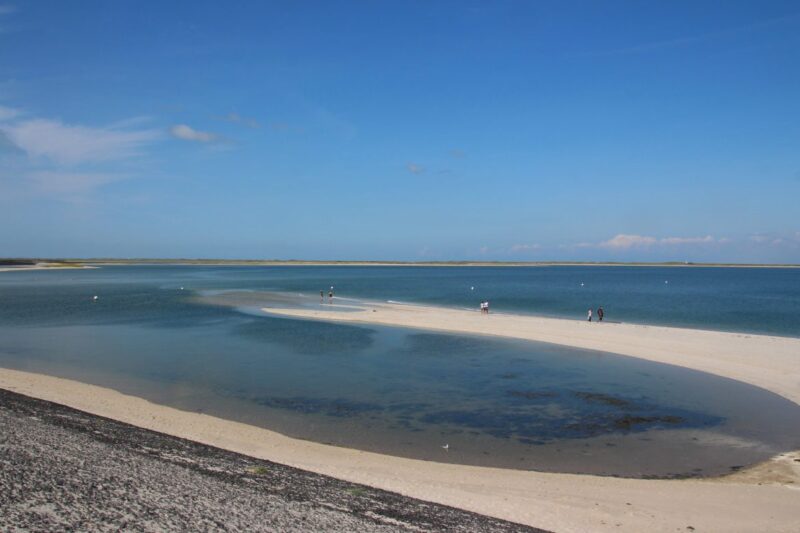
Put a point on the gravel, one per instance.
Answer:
(66, 470)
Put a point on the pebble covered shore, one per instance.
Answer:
(63, 469)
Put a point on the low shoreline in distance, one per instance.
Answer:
(29, 263)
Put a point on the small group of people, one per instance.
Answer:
(485, 308)
(322, 296)
(600, 314)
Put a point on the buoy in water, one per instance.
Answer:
(95, 297)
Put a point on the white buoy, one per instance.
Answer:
(665, 281)
(95, 297)
(581, 284)
(181, 288)
(472, 288)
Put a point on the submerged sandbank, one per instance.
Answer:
(761, 498)
(770, 362)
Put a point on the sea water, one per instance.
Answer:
(190, 337)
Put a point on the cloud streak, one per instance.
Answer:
(236, 118)
(187, 133)
(692, 39)
(73, 145)
(7, 113)
(415, 169)
(525, 248)
(623, 241)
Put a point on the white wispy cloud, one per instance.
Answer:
(187, 133)
(72, 145)
(775, 239)
(692, 39)
(624, 241)
(236, 118)
(5, 9)
(687, 240)
(525, 247)
(7, 113)
(414, 168)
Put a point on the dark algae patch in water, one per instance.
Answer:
(542, 416)
(604, 399)
(338, 407)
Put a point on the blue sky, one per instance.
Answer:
(401, 130)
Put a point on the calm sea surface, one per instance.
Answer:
(163, 333)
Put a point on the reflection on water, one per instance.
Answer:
(494, 402)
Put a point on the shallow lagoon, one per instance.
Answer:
(495, 402)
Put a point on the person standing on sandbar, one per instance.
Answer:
(600, 313)
(589, 316)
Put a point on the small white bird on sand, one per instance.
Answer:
(446, 447)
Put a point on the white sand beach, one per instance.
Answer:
(762, 498)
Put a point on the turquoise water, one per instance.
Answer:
(494, 402)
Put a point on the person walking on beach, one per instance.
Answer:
(600, 313)
(589, 316)
(330, 296)
(486, 307)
